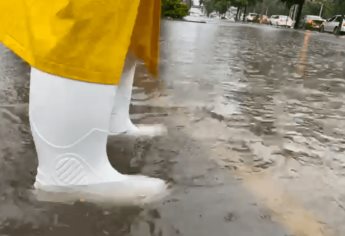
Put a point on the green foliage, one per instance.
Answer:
(209, 6)
(282, 7)
(221, 6)
(270, 7)
(334, 7)
(174, 8)
(311, 8)
(242, 3)
(290, 3)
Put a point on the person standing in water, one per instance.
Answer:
(82, 55)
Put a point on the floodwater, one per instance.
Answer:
(255, 143)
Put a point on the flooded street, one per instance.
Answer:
(255, 145)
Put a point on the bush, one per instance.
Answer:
(174, 9)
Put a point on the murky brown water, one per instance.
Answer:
(255, 118)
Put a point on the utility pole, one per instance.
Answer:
(244, 13)
(294, 12)
(321, 10)
(341, 22)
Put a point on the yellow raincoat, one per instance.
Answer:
(85, 40)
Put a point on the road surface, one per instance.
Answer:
(255, 145)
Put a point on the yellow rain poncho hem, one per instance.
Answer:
(81, 39)
(62, 70)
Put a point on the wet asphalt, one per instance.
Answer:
(255, 143)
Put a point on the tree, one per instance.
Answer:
(243, 4)
(238, 4)
(209, 6)
(174, 9)
(271, 7)
(339, 7)
(312, 8)
(300, 3)
(221, 6)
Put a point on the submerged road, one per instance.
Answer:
(255, 145)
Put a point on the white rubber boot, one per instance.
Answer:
(70, 123)
(120, 119)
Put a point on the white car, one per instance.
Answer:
(280, 20)
(332, 25)
(251, 17)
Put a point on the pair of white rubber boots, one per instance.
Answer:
(70, 122)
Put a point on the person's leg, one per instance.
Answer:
(120, 119)
(70, 125)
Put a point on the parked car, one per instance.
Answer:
(332, 25)
(311, 22)
(280, 20)
(251, 17)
